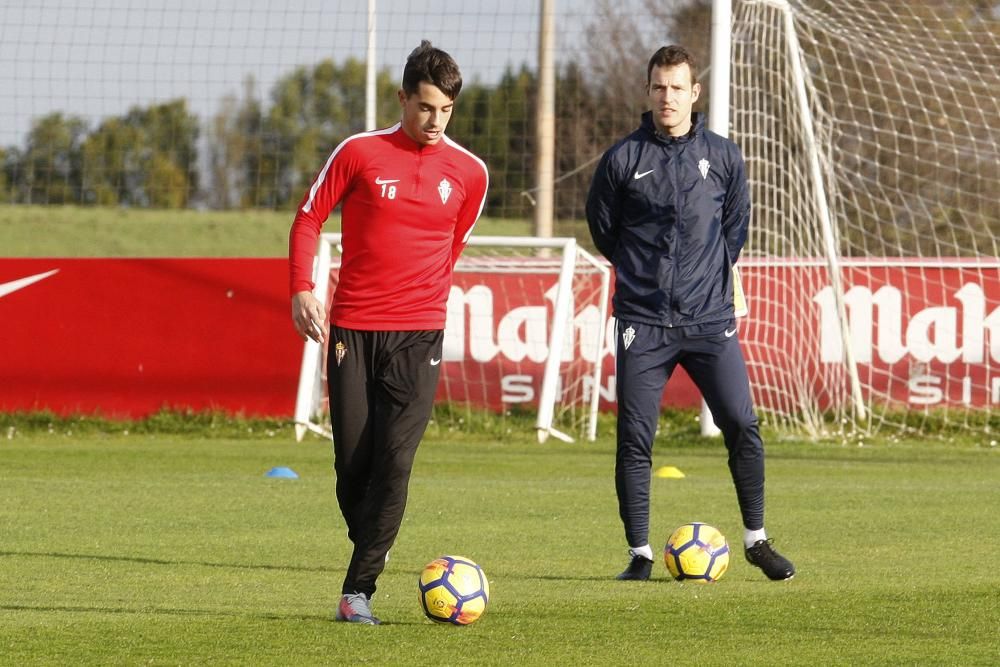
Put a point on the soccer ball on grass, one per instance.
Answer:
(453, 589)
(697, 552)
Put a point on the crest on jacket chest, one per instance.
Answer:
(703, 167)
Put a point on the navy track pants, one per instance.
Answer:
(710, 353)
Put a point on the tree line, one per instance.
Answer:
(253, 154)
(263, 151)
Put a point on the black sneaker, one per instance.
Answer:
(639, 568)
(774, 565)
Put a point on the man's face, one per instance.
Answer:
(671, 96)
(426, 113)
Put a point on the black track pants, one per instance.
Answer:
(711, 355)
(381, 386)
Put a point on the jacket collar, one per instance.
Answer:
(697, 127)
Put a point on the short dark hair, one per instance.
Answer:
(671, 56)
(428, 64)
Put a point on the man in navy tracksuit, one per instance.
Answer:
(669, 207)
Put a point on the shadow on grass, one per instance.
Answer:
(559, 577)
(293, 568)
(73, 609)
(161, 561)
(266, 567)
(159, 612)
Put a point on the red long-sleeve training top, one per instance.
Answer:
(408, 211)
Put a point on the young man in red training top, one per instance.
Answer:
(410, 197)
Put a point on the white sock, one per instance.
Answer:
(751, 537)
(645, 551)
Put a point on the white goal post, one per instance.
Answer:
(869, 131)
(527, 326)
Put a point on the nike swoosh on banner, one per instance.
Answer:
(729, 334)
(21, 283)
(385, 181)
(637, 175)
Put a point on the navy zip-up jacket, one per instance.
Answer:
(671, 215)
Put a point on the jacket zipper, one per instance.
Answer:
(674, 177)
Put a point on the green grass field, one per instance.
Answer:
(146, 547)
(76, 231)
(162, 542)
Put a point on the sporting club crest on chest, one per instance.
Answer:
(444, 189)
(703, 167)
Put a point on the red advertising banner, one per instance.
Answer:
(923, 333)
(127, 337)
(497, 340)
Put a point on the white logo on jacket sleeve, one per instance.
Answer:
(637, 175)
(444, 189)
(703, 167)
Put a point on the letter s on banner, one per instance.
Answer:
(517, 389)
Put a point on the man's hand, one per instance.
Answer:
(309, 317)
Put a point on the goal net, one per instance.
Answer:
(526, 330)
(870, 133)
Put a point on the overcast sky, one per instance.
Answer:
(99, 58)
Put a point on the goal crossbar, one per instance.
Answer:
(530, 255)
